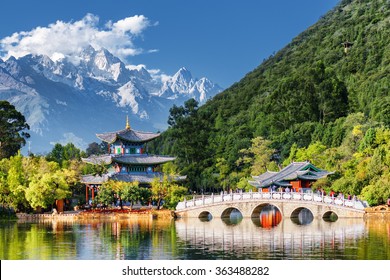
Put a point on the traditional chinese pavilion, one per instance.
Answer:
(296, 176)
(127, 159)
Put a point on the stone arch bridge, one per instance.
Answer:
(250, 205)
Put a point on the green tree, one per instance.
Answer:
(175, 194)
(145, 195)
(17, 183)
(56, 154)
(63, 154)
(378, 192)
(105, 195)
(258, 157)
(45, 189)
(160, 189)
(223, 172)
(4, 189)
(47, 182)
(96, 149)
(131, 192)
(314, 153)
(244, 185)
(188, 128)
(71, 152)
(13, 128)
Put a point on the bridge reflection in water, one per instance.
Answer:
(260, 238)
(270, 216)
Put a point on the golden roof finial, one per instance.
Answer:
(127, 122)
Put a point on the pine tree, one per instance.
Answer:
(13, 128)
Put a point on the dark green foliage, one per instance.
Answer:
(12, 130)
(313, 90)
(105, 196)
(96, 149)
(63, 154)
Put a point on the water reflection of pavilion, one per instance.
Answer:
(286, 241)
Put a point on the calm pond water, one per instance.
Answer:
(184, 239)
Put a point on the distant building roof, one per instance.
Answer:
(294, 171)
(127, 135)
(128, 159)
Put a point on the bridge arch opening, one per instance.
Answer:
(231, 216)
(205, 216)
(302, 216)
(266, 215)
(330, 216)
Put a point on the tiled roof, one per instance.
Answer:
(142, 159)
(265, 175)
(105, 159)
(127, 135)
(142, 178)
(296, 170)
(94, 179)
(136, 177)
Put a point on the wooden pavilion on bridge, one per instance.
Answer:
(296, 176)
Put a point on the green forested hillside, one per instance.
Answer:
(312, 100)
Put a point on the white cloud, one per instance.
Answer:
(165, 78)
(158, 75)
(155, 73)
(134, 25)
(66, 39)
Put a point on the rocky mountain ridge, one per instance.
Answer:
(71, 99)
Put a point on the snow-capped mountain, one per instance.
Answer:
(71, 99)
(182, 85)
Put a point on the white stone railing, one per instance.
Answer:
(279, 196)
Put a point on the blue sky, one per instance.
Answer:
(222, 40)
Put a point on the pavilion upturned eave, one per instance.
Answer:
(101, 159)
(128, 159)
(142, 178)
(127, 135)
(294, 171)
(94, 179)
(143, 159)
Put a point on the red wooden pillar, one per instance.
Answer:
(60, 205)
(86, 194)
(93, 193)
